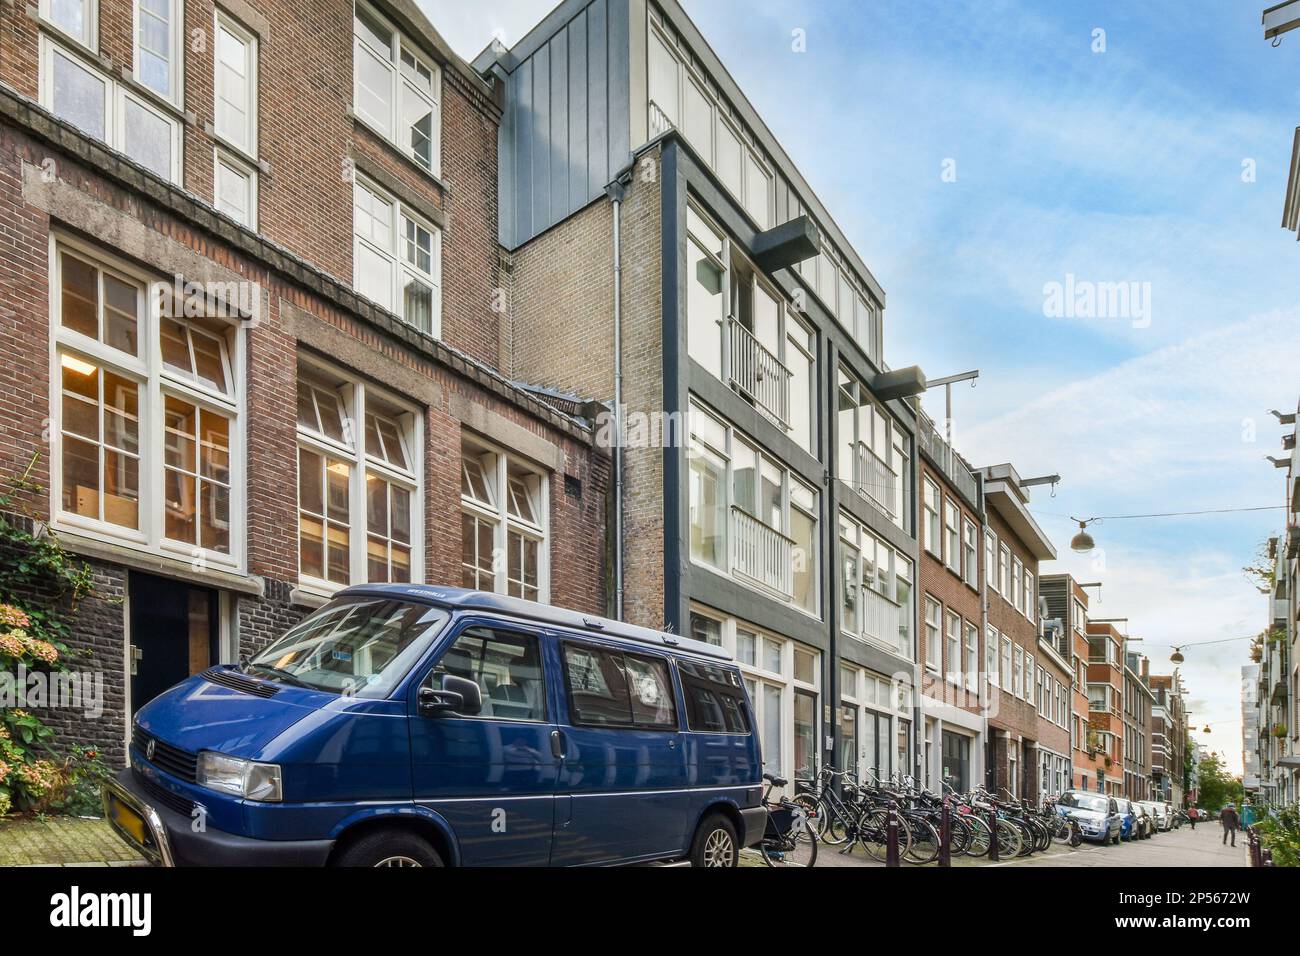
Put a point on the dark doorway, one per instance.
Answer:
(174, 634)
(956, 761)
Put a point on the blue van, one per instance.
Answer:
(404, 725)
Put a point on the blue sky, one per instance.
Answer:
(1117, 166)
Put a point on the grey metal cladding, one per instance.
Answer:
(567, 126)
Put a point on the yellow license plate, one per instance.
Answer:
(127, 819)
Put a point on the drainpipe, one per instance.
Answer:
(617, 191)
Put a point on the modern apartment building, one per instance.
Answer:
(667, 258)
(1137, 727)
(1278, 682)
(1065, 603)
(953, 651)
(1250, 742)
(1105, 704)
(1168, 737)
(249, 288)
(1028, 735)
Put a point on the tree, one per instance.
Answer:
(1215, 786)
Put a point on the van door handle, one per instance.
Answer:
(557, 745)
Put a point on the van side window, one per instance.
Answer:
(611, 689)
(507, 668)
(715, 699)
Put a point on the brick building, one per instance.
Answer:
(1137, 726)
(1028, 738)
(251, 316)
(953, 661)
(1105, 701)
(1066, 602)
(1168, 737)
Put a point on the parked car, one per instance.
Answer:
(1159, 814)
(1128, 820)
(1098, 815)
(405, 725)
(1146, 823)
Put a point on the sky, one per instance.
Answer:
(977, 151)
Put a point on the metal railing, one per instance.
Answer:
(659, 121)
(761, 553)
(934, 445)
(759, 375)
(877, 480)
(881, 617)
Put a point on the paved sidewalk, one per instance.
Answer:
(1202, 847)
(63, 841)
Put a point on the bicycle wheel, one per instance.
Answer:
(959, 835)
(873, 834)
(981, 837)
(1026, 837)
(1010, 842)
(816, 808)
(1062, 831)
(1042, 839)
(796, 848)
(925, 842)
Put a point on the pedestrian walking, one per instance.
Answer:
(1191, 815)
(1228, 817)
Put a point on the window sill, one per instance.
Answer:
(139, 559)
(235, 152)
(395, 150)
(127, 79)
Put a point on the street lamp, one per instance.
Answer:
(1082, 542)
(1177, 655)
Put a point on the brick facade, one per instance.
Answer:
(54, 179)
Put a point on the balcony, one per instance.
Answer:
(934, 445)
(881, 618)
(659, 121)
(877, 480)
(759, 375)
(762, 554)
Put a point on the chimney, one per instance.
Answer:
(1146, 670)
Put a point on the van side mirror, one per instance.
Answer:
(452, 695)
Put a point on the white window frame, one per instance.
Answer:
(972, 655)
(353, 392)
(156, 381)
(934, 636)
(401, 44)
(116, 93)
(930, 518)
(222, 156)
(176, 65)
(1027, 594)
(90, 14)
(953, 647)
(1017, 581)
(992, 656)
(503, 522)
(952, 543)
(854, 535)
(396, 257)
(222, 20)
(970, 551)
(991, 559)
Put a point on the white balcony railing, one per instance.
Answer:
(759, 375)
(877, 480)
(881, 618)
(761, 553)
(659, 121)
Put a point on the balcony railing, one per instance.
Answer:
(659, 121)
(934, 445)
(881, 617)
(877, 480)
(759, 375)
(761, 553)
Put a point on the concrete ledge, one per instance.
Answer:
(506, 433)
(161, 565)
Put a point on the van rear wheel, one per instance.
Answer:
(389, 848)
(715, 843)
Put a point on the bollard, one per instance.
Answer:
(945, 833)
(891, 836)
(993, 840)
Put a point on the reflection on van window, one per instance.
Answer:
(359, 646)
(651, 690)
(715, 699)
(506, 667)
(597, 686)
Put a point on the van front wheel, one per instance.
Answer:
(389, 848)
(715, 843)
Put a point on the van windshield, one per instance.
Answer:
(355, 646)
(1084, 801)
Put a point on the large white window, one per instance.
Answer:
(396, 258)
(504, 521)
(952, 535)
(872, 450)
(876, 600)
(147, 412)
(157, 52)
(742, 330)
(1017, 580)
(235, 109)
(396, 89)
(991, 656)
(972, 656)
(682, 97)
(931, 533)
(970, 553)
(359, 481)
(933, 625)
(952, 641)
(74, 89)
(79, 19)
(750, 516)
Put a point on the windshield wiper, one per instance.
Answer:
(284, 675)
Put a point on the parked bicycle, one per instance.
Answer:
(788, 839)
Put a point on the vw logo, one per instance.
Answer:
(149, 749)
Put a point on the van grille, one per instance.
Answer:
(173, 760)
(233, 681)
(164, 796)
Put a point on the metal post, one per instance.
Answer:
(993, 840)
(891, 836)
(945, 833)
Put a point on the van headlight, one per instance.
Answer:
(243, 778)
